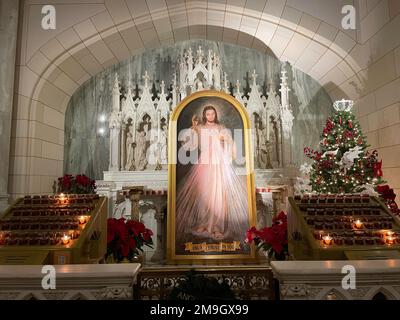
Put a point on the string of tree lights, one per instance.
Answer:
(343, 164)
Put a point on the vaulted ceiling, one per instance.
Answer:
(94, 35)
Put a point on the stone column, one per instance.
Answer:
(280, 146)
(287, 152)
(115, 148)
(157, 203)
(9, 11)
(159, 206)
(123, 146)
(115, 129)
(276, 198)
(134, 196)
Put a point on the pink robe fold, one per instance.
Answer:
(212, 196)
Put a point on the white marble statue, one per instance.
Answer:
(272, 145)
(129, 152)
(164, 145)
(199, 82)
(264, 158)
(287, 121)
(140, 150)
(153, 153)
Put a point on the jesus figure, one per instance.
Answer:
(212, 199)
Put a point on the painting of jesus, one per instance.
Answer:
(212, 186)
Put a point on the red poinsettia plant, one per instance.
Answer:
(79, 184)
(125, 239)
(272, 240)
(388, 196)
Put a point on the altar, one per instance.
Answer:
(138, 147)
(271, 198)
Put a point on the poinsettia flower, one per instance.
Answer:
(135, 227)
(277, 247)
(125, 249)
(274, 237)
(250, 235)
(132, 243)
(121, 230)
(124, 238)
(111, 229)
(280, 217)
(261, 234)
(383, 189)
(66, 182)
(147, 233)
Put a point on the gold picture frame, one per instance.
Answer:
(177, 258)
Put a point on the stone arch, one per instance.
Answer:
(79, 296)
(377, 293)
(335, 294)
(61, 65)
(32, 296)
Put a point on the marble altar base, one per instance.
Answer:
(277, 182)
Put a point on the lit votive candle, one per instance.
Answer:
(62, 198)
(389, 234)
(65, 239)
(82, 220)
(390, 240)
(327, 240)
(358, 224)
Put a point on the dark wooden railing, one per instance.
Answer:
(246, 282)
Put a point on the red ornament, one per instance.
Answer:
(378, 169)
(348, 134)
(359, 141)
(340, 120)
(350, 125)
(328, 127)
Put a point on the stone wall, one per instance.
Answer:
(379, 103)
(8, 40)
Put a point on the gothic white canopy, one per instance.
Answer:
(138, 127)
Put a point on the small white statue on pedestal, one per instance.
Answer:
(140, 151)
(129, 152)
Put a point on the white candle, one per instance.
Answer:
(82, 220)
(358, 224)
(65, 239)
(327, 240)
(390, 240)
(390, 233)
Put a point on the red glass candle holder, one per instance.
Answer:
(349, 241)
(359, 241)
(370, 241)
(338, 241)
(318, 235)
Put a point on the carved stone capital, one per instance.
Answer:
(119, 293)
(294, 290)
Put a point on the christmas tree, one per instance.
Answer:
(343, 164)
